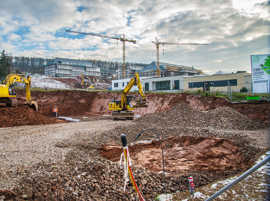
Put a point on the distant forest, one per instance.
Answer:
(36, 65)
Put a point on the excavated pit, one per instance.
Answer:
(80, 104)
(183, 154)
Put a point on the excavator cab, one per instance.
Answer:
(8, 93)
(11, 90)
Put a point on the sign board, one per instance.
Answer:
(260, 70)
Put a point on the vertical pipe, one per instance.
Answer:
(124, 58)
(158, 70)
(268, 177)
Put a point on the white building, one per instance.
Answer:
(71, 68)
(175, 83)
(219, 82)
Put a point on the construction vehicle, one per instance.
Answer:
(8, 93)
(122, 109)
(91, 87)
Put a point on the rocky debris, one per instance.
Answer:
(7, 195)
(182, 115)
(86, 175)
(23, 115)
(183, 120)
(98, 179)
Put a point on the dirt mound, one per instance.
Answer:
(84, 103)
(182, 154)
(182, 115)
(228, 118)
(69, 103)
(259, 112)
(203, 103)
(23, 115)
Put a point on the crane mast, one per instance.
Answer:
(158, 43)
(123, 39)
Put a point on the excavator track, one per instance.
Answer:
(123, 115)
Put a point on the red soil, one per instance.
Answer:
(83, 103)
(183, 154)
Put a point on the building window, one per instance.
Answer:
(176, 84)
(123, 84)
(115, 85)
(146, 86)
(163, 85)
(217, 83)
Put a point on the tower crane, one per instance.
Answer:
(123, 39)
(158, 43)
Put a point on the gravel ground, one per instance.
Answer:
(62, 162)
(25, 146)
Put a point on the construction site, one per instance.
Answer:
(75, 128)
(48, 158)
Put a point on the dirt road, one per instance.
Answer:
(22, 147)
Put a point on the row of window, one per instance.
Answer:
(162, 85)
(115, 85)
(166, 84)
(217, 83)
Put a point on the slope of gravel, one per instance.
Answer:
(84, 175)
(183, 120)
(82, 178)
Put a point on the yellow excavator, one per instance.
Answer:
(122, 109)
(8, 93)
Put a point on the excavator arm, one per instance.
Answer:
(134, 81)
(139, 85)
(11, 79)
(122, 109)
(124, 99)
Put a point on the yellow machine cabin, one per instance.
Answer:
(123, 108)
(8, 93)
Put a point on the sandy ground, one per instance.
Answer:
(24, 146)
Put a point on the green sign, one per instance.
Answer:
(253, 98)
(266, 65)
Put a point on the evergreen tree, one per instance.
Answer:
(4, 65)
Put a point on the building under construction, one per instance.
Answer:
(61, 67)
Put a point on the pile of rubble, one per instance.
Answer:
(86, 175)
(23, 115)
(182, 115)
(183, 120)
(99, 179)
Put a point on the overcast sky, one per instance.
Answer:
(234, 30)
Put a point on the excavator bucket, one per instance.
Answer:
(141, 103)
(34, 105)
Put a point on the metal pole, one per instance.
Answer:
(268, 178)
(240, 178)
(124, 59)
(158, 70)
